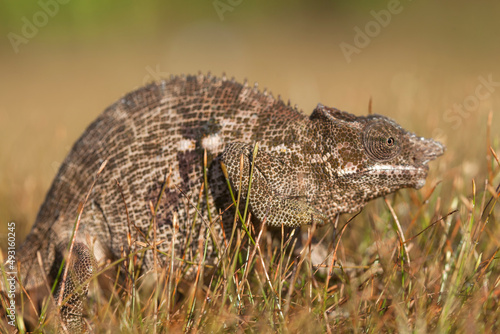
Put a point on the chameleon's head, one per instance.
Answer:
(375, 156)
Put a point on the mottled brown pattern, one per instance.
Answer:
(332, 163)
(308, 168)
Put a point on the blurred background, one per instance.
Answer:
(431, 65)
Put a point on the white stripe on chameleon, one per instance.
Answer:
(279, 148)
(186, 145)
(391, 168)
(212, 143)
(350, 169)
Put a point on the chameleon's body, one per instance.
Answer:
(307, 169)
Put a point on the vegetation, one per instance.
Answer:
(440, 274)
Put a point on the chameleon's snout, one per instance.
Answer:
(427, 150)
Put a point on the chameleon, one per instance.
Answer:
(308, 169)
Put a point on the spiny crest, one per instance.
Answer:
(151, 94)
(332, 114)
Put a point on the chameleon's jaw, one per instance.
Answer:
(420, 177)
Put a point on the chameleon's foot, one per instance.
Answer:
(82, 266)
(304, 212)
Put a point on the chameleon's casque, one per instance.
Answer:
(307, 169)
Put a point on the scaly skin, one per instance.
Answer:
(307, 169)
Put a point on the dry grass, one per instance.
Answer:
(442, 275)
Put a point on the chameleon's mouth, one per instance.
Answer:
(394, 177)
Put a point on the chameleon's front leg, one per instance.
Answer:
(265, 202)
(82, 266)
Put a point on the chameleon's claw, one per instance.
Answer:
(307, 214)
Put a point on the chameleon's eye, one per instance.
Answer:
(380, 140)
